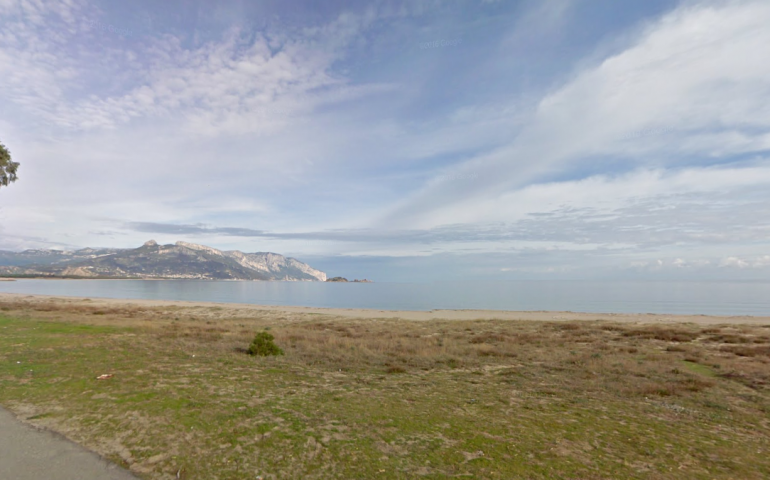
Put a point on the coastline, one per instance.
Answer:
(245, 309)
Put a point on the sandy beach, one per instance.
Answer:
(229, 310)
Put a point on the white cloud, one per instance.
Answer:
(234, 86)
(741, 263)
(657, 189)
(699, 73)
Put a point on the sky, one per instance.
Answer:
(397, 140)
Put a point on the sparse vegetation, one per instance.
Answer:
(388, 398)
(263, 345)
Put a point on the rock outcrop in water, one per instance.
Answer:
(345, 280)
(151, 260)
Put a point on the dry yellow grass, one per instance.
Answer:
(389, 398)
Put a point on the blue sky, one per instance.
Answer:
(392, 140)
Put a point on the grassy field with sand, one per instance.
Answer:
(373, 397)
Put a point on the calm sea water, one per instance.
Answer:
(709, 298)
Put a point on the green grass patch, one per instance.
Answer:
(391, 399)
(698, 368)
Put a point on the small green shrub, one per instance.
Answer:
(263, 345)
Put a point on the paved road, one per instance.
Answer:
(27, 453)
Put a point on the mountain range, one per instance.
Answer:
(151, 260)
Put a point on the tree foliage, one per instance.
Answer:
(8, 168)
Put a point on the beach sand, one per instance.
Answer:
(229, 310)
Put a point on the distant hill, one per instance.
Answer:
(345, 280)
(47, 257)
(151, 260)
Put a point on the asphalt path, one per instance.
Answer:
(29, 453)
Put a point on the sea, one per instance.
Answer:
(704, 298)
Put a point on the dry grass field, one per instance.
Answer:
(389, 398)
